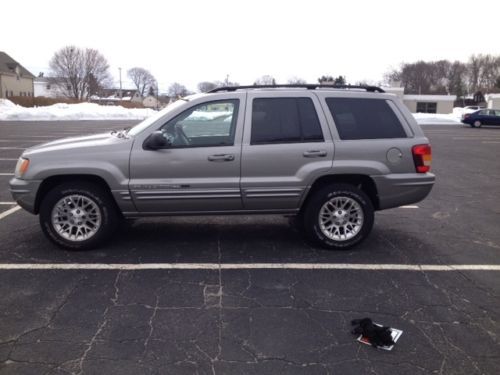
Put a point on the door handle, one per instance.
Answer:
(221, 157)
(314, 154)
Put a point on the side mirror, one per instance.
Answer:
(156, 141)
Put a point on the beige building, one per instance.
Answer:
(15, 80)
(430, 103)
(424, 103)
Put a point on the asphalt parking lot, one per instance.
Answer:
(247, 295)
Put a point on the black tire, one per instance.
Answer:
(106, 207)
(311, 215)
(476, 124)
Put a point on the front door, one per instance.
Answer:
(200, 170)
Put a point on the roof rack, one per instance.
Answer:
(303, 86)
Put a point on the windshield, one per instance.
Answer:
(144, 124)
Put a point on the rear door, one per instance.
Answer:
(286, 145)
(200, 171)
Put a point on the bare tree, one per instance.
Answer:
(296, 81)
(206, 86)
(177, 90)
(143, 80)
(265, 80)
(480, 74)
(457, 75)
(226, 83)
(326, 80)
(79, 73)
(484, 70)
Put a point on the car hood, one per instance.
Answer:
(90, 142)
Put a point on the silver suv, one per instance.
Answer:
(331, 155)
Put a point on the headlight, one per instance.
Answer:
(21, 167)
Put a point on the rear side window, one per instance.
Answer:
(284, 120)
(357, 118)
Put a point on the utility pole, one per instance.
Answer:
(120, 69)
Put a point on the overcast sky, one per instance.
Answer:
(192, 41)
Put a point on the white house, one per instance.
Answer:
(43, 87)
(493, 101)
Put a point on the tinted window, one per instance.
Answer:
(284, 120)
(364, 118)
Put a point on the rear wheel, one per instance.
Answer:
(78, 216)
(338, 216)
(477, 124)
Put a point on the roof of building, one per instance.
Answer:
(443, 98)
(9, 65)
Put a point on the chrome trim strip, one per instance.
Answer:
(185, 192)
(170, 197)
(276, 190)
(272, 195)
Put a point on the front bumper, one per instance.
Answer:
(396, 190)
(24, 193)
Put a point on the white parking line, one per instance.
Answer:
(8, 212)
(7, 203)
(414, 206)
(489, 142)
(8, 159)
(18, 141)
(247, 266)
(6, 174)
(12, 148)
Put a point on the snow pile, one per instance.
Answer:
(62, 111)
(437, 119)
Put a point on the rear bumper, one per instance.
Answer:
(396, 190)
(24, 193)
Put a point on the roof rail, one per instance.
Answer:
(303, 86)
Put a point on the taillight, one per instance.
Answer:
(422, 156)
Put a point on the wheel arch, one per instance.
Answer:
(363, 182)
(52, 181)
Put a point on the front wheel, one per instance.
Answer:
(78, 216)
(477, 124)
(338, 216)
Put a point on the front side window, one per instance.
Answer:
(360, 118)
(284, 120)
(204, 125)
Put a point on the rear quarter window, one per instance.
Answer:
(360, 118)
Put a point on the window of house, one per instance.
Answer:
(426, 107)
(204, 125)
(48, 87)
(284, 120)
(6, 93)
(360, 118)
